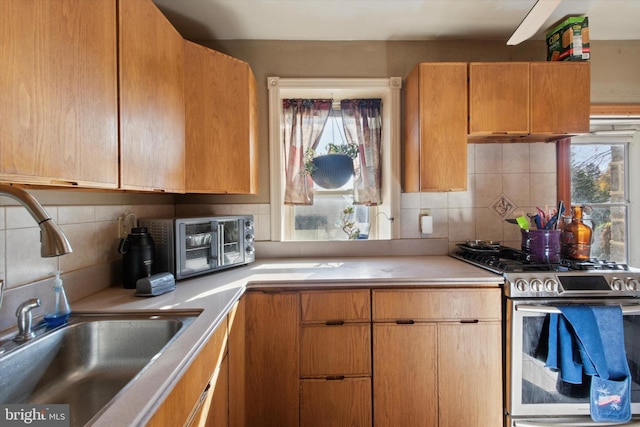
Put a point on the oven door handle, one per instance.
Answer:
(626, 309)
(572, 424)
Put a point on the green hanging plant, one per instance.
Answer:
(350, 150)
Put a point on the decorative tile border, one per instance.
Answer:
(502, 206)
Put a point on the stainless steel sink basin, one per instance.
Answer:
(86, 362)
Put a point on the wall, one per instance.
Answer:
(89, 218)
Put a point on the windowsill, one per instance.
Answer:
(349, 248)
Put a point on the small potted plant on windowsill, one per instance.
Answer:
(348, 224)
(331, 170)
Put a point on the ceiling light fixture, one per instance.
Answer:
(537, 16)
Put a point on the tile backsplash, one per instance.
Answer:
(91, 230)
(504, 181)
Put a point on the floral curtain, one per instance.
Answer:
(303, 121)
(362, 119)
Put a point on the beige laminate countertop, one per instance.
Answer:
(215, 294)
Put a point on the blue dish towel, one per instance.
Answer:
(590, 340)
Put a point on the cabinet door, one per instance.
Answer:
(191, 395)
(330, 350)
(405, 386)
(499, 98)
(221, 123)
(336, 403)
(218, 411)
(58, 82)
(561, 97)
(436, 128)
(272, 347)
(470, 374)
(152, 123)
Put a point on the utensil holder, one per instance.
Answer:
(542, 245)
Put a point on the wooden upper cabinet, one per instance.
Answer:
(561, 97)
(435, 128)
(499, 98)
(152, 118)
(58, 82)
(221, 123)
(528, 101)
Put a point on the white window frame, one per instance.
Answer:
(623, 130)
(388, 89)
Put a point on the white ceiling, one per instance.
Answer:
(387, 19)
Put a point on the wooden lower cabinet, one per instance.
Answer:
(405, 391)
(186, 402)
(335, 358)
(334, 350)
(218, 409)
(340, 402)
(381, 357)
(470, 374)
(264, 361)
(440, 362)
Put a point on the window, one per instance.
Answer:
(326, 219)
(600, 177)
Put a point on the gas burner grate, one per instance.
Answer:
(594, 264)
(507, 261)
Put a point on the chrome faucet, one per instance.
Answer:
(52, 239)
(23, 313)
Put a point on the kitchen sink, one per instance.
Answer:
(87, 361)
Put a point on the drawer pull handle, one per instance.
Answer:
(335, 378)
(334, 322)
(469, 321)
(405, 322)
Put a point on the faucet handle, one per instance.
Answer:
(23, 313)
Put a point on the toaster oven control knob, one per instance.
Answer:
(551, 285)
(537, 285)
(521, 285)
(617, 284)
(250, 250)
(633, 285)
(250, 238)
(248, 224)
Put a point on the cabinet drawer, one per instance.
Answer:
(338, 305)
(335, 350)
(335, 403)
(427, 305)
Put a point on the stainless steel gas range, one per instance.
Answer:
(535, 396)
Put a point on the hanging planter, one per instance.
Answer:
(332, 171)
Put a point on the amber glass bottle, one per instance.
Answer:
(576, 237)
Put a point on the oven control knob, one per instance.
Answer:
(248, 224)
(537, 285)
(250, 250)
(551, 285)
(617, 284)
(633, 285)
(250, 238)
(521, 285)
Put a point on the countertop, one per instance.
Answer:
(215, 294)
